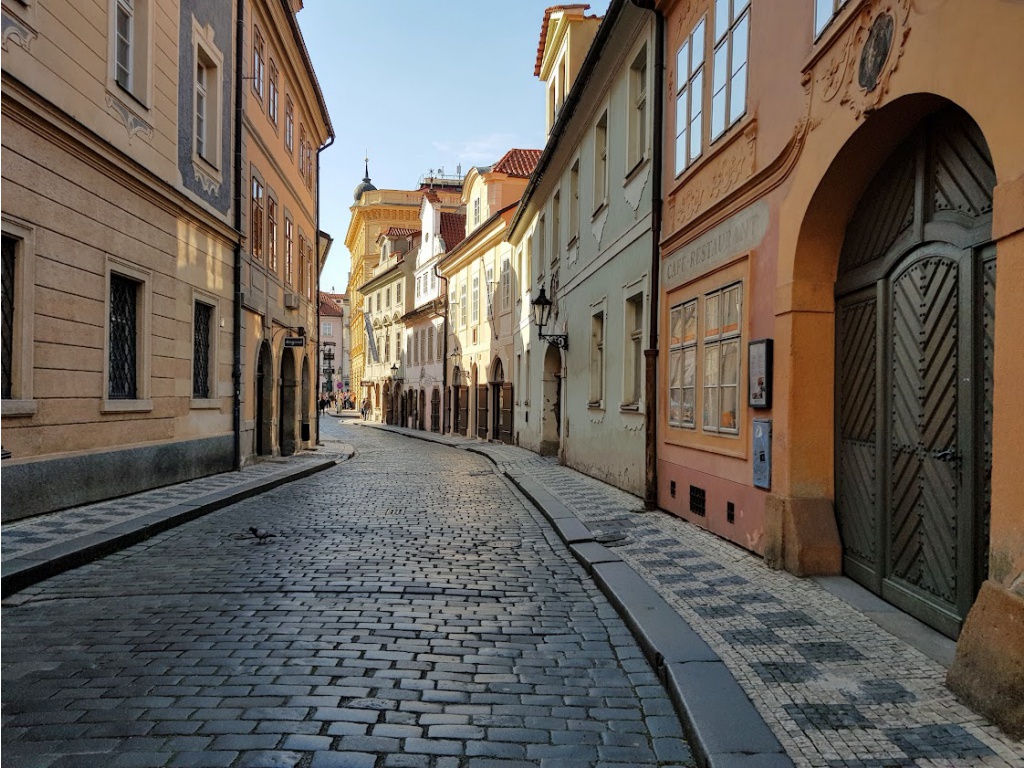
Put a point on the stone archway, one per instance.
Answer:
(288, 415)
(551, 413)
(265, 401)
(307, 407)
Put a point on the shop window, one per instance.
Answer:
(682, 403)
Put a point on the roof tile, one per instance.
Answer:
(518, 162)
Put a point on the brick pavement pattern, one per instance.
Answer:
(837, 690)
(411, 610)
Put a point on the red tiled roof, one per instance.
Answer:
(518, 162)
(327, 305)
(544, 30)
(453, 228)
(400, 232)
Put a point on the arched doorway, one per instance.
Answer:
(915, 315)
(480, 394)
(307, 407)
(435, 410)
(287, 418)
(422, 410)
(501, 404)
(551, 414)
(265, 401)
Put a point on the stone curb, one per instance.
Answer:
(28, 569)
(724, 728)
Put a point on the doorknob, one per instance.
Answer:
(946, 455)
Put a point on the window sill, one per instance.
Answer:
(19, 408)
(204, 403)
(600, 209)
(636, 170)
(630, 408)
(596, 405)
(126, 406)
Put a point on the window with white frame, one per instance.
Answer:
(574, 202)
(556, 227)
(131, 56)
(463, 305)
(632, 388)
(328, 328)
(476, 299)
(601, 161)
(596, 360)
(202, 83)
(506, 283)
(542, 241)
(398, 294)
(729, 65)
(430, 344)
(387, 297)
(824, 12)
(302, 151)
(637, 129)
(682, 363)
(259, 62)
(476, 211)
(690, 97)
(704, 345)
(424, 348)
(440, 344)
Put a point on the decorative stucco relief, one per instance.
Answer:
(723, 173)
(209, 184)
(633, 192)
(856, 71)
(134, 124)
(14, 29)
(597, 225)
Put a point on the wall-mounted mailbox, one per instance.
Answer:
(762, 453)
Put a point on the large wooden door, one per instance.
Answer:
(914, 320)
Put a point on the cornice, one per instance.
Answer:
(28, 109)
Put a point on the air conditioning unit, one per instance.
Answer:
(291, 300)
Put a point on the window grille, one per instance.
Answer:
(123, 338)
(201, 351)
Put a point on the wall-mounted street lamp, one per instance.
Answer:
(541, 314)
(394, 374)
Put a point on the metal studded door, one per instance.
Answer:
(914, 319)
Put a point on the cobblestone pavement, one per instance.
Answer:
(837, 690)
(412, 609)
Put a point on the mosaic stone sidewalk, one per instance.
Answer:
(837, 689)
(22, 537)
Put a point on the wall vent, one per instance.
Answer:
(291, 300)
(730, 512)
(672, 488)
(698, 501)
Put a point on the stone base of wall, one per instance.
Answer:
(36, 486)
(801, 536)
(988, 672)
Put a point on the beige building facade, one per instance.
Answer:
(118, 249)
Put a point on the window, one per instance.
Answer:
(387, 347)
(556, 227)
(257, 219)
(689, 98)
(302, 151)
(601, 161)
(541, 231)
(302, 261)
(476, 211)
(419, 286)
(289, 250)
(258, 62)
(574, 202)
(289, 125)
(714, 320)
(398, 294)
(202, 330)
(272, 93)
(202, 77)
(125, 30)
(309, 165)
(722, 359)
(596, 360)
(476, 299)
(632, 389)
(682, 363)
(124, 338)
(440, 345)
(824, 12)
(10, 255)
(729, 67)
(378, 300)
(637, 147)
(424, 348)
(430, 344)
(130, 43)
(272, 233)
(328, 329)
(310, 256)
(463, 306)
(506, 283)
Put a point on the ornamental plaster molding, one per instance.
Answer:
(633, 192)
(597, 225)
(14, 29)
(207, 181)
(134, 124)
(722, 174)
(857, 70)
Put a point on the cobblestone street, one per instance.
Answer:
(411, 609)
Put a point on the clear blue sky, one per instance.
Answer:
(416, 85)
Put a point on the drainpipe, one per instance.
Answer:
(316, 439)
(651, 354)
(236, 363)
